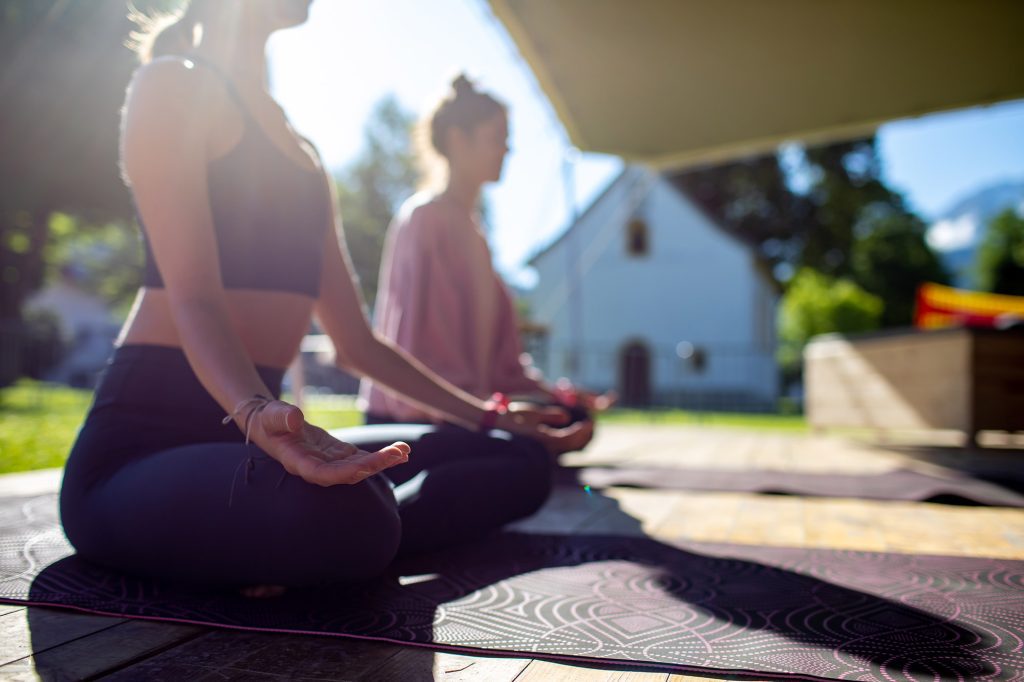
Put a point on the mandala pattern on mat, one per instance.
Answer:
(794, 613)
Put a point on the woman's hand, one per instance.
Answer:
(314, 455)
(568, 394)
(597, 403)
(546, 425)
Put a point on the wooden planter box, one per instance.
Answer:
(967, 380)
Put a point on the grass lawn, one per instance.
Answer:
(38, 422)
(742, 420)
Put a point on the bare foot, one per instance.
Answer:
(263, 591)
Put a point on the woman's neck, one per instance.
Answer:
(244, 59)
(463, 191)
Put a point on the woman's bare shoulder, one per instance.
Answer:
(429, 214)
(174, 85)
(417, 215)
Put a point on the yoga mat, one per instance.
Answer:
(710, 609)
(899, 484)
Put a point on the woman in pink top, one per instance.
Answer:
(440, 298)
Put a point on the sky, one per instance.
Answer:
(329, 73)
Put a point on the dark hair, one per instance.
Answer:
(465, 108)
(165, 34)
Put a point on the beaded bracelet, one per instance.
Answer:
(497, 405)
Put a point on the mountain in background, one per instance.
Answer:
(958, 232)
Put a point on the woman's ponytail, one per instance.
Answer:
(164, 34)
(465, 108)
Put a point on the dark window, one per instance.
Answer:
(636, 238)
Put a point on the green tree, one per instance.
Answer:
(61, 86)
(1000, 259)
(813, 226)
(829, 211)
(846, 184)
(814, 304)
(373, 188)
(752, 199)
(891, 259)
(108, 256)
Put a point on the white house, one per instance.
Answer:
(644, 294)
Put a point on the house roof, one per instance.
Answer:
(760, 264)
(586, 212)
(679, 82)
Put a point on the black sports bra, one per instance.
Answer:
(269, 214)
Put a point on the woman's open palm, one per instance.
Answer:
(312, 454)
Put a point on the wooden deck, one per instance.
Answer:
(38, 643)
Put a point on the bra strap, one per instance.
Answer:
(225, 80)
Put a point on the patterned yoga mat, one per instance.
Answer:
(899, 484)
(769, 612)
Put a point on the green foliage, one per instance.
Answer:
(110, 256)
(828, 209)
(1000, 259)
(751, 199)
(891, 259)
(813, 226)
(65, 70)
(847, 183)
(41, 344)
(817, 304)
(737, 420)
(38, 424)
(374, 187)
(333, 417)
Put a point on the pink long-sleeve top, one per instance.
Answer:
(440, 299)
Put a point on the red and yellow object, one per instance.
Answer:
(940, 306)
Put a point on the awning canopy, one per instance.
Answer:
(679, 82)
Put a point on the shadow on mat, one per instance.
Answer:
(1001, 466)
(623, 600)
(956, 488)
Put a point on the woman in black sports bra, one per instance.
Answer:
(242, 249)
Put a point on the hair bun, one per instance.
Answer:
(463, 86)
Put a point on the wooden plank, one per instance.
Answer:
(998, 381)
(423, 665)
(915, 380)
(30, 483)
(698, 678)
(547, 671)
(230, 655)
(101, 652)
(866, 525)
(627, 443)
(844, 524)
(634, 513)
(33, 630)
(701, 517)
(764, 516)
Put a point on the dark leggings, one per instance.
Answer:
(155, 485)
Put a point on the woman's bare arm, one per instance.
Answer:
(342, 315)
(167, 124)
